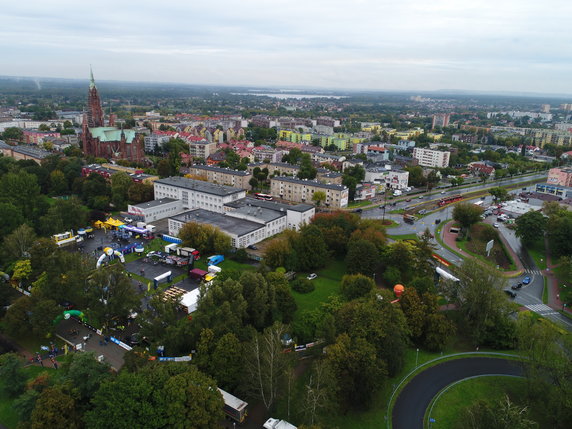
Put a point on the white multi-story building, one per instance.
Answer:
(196, 193)
(155, 141)
(301, 191)
(248, 221)
(394, 179)
(155, 209)
(431, 158)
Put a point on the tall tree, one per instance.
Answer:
(265, 364)
(467, 214)
(356, 286)
(362, 258)
(55, 408)
(12, 374)
(530, 226)
(19, 242)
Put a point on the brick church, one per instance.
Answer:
(108, 141)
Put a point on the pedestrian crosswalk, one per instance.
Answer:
(537, 272)
(541, 309)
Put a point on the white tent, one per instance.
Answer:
(190, 300)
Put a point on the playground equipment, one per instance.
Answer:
(109, 252)
(68, 313)
(398, 290)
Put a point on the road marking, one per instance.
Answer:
(533, 272)
(541, 309)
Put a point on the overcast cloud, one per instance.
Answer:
(494, 45)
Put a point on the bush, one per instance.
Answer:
(303, 286)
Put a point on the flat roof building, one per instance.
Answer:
(301, 191)
(224, 176)
(196, 193)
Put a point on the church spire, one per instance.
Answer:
(92, 80)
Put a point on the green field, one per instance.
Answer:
(403, 237)
(327, 283)
(537, 251)
(449, 407)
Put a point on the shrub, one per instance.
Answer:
(303, 286)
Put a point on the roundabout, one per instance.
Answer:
(412, 402)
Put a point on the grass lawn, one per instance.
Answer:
(480, 234)
(8, 415)
(327, 283)
(403, 237)
(538, 252)
(357, 204)
(564, 285)
(447, 411)
(397, 211)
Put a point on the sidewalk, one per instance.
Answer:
(449, 239)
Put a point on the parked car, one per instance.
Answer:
(127, 219)
(358, 210)
(510, 293)
(526, 280)
(312, 276)
(252, 247)
(442, 192)
(408, 200)
(437, 221)
(422, 211)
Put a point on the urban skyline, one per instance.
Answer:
(485, 46)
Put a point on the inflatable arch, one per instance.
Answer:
(108, 252)
(67, 314)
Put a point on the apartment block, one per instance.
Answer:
(301, 191)
(223, 176)
(431, 158)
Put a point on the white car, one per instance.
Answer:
(442, 192)
(312, 276)
(496, 225)
(127, 219)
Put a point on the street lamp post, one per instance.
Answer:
(417, 358)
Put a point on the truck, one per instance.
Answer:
(397, 193)
(215, 259)
(196, 274)
(188, 251)
(278, 424)
(234, 408)
(150, 228)
(407, 218)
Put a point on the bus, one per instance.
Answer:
(233, 407)
(266, 197)
(448, 200)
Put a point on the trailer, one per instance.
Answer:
(234, 408)
(196, 274)
(278, 424)
(188, 251)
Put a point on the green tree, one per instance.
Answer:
(205, 238)
(110, 295)
(22, 190)
(499, 194)
(415, 313)
(530, 226)
(253, 182)
(356, 286)
(482, 302)
(11, 218)
(319, 197)
(310, 248)
(13, 133)
(55, 408)
(278, 253)
(307, 169)
(140, 193)
(467, 214)
(357, 370)
(19, 242)
(120, 184)
(58, 183)
(164, 168)
(86, 374)
(12, 375)
(362, 258)
(260, 298)
(64, 215)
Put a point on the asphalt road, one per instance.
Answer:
(412, 402)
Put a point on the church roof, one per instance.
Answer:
(111, 134)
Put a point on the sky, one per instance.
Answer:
(484, 45)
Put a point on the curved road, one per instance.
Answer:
(412, 402)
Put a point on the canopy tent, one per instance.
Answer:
(113, 223)
(98, 224)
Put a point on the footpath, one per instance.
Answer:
(449, 238)
(553, 290)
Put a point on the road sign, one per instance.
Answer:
(490, 245)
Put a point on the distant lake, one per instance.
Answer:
(283, 96)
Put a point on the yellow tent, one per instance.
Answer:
(98, 224)
(113, 223)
